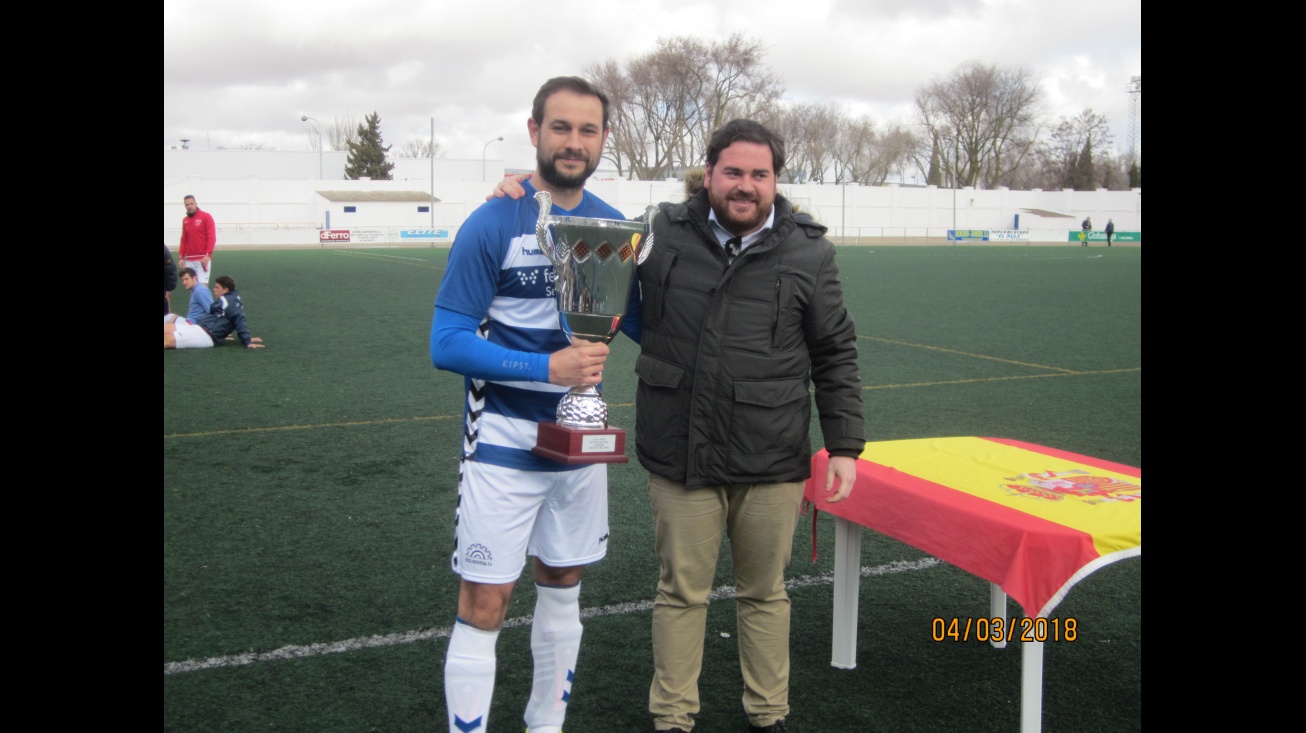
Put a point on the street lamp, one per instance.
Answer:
(487, 145)
(956, 154)
(318, 127)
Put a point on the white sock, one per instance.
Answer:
(469, 677)
(555, 643)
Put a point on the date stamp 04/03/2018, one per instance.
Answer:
(1004, 629)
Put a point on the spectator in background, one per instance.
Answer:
(198, 236)
(1110, 230)
(1088, 227)
(225, 316)
(201, 300)
(169, 279)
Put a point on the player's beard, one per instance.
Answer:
(732, 223)
(559, 180)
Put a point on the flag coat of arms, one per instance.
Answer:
(1032, 519)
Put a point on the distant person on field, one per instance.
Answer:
(198, 236)
(226, 315)
(1088, 227)
(1110, 230)
(169, 279)
(201, 300)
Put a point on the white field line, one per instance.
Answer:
(408, 637)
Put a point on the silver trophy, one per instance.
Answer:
(595, 261)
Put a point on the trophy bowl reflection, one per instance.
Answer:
(595, 262)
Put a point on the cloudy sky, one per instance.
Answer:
(239, 72)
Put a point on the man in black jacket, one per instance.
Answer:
(742, 310)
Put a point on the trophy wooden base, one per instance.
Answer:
(576, 445)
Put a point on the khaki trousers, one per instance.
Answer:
(759, 520)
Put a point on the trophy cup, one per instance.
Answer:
(595, 262)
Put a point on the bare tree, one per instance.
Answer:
(986, 116)
(341, 131)
(1070, 139)
(419, 148)
(869, 156)
(737, 84)
(811, 132)
(667, 103)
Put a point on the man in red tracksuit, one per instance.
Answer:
(198, 235)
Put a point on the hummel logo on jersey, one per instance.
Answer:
(531, 251)
(604, 538)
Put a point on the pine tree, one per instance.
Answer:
(1084, 179)
(934, 177)
(367, 156)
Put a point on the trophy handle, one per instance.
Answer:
(545, 200)
(649, 214)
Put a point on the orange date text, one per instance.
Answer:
(997, 629)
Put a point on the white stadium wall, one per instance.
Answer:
(271, 198)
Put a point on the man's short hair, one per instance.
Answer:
(746, 131)
(189, 271)
(187, 196)
(226, 282)
(571, 84)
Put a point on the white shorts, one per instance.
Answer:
(201, 272)
(191, 336)
(170, 317)
(506, 514)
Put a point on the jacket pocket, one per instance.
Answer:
(661, 428)
(658, 373)
(769, 424)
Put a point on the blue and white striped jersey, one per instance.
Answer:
(502, 285)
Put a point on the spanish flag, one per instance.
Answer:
(1034, 520)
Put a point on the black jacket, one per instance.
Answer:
(227, 314)
(169, 277)
(728, 352)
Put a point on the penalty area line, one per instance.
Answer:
(409, 637)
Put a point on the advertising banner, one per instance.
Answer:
(968, 235)
(1009, 235)
(1099, 237)
(368, 236)
(424, 235)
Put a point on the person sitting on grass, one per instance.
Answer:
(200, 297)
(225, 316)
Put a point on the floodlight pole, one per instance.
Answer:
(431, 152)
(956, 178)
(318, 127)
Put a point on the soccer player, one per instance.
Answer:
(227, 314)
(496, 322)
(200, 298)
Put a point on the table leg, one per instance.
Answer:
(1031, 686)
(997, 609)
(847, 588)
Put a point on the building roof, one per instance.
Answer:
(374, 196)
(1049, 214)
